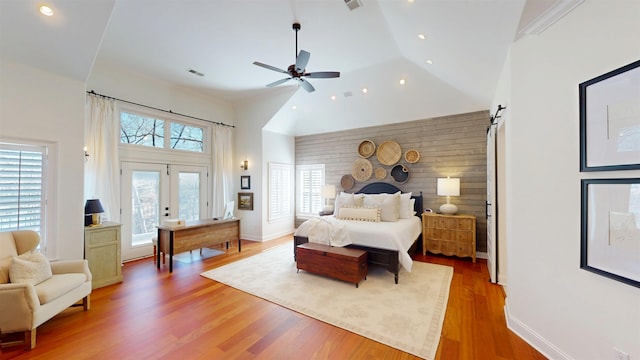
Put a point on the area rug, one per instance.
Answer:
(407, 316)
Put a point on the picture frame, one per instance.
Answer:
(245, 182)
(610, 228)
(610, 120)
(245, 201)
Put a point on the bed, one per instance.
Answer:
(388, 243)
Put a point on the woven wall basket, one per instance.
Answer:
(380, 173)
(361, 169)
(366, 148)
(347, 182)
(389, 153)
(412, 156)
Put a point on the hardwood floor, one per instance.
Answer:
(158, 315)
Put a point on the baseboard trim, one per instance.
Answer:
(534, 339)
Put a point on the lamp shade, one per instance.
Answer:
(329, 191)
(448, 186)
(93, 206)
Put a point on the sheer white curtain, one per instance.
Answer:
(222, 168)
(101, 171)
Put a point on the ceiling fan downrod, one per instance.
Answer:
(296, 28)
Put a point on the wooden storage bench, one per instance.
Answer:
(335, 262)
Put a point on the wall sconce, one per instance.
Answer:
(86, 154)
(244, 165)
(448, 187)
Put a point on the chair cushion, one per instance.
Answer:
(4, 269)
(30, 268)
(7, 245)
(58, 285)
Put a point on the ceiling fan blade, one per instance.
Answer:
(302, 60)
(306, 85)
(323, 74)
(270, 67)
(276, 83)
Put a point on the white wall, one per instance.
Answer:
(566, 312)
(252, 115)
(130, 86)
(41, 106)
(276, 148)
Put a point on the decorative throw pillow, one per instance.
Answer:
(345, 199)
(360, 213)
(30, 268)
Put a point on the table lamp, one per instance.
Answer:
(328, 193)
(92, 210)
(448, 187)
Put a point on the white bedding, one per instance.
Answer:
(392, 235)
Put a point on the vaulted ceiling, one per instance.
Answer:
(373, 46)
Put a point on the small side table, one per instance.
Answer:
(102, 251)
(449, 235)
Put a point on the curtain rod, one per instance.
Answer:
(154, 108)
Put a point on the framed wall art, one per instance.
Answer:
(610, 120)
(245, 182)
(245, 201)
(610, 229)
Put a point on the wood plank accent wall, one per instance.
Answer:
(452, 145)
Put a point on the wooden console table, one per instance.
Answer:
(195, 235)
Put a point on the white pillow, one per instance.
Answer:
(345, 199)
(360, 213)
(30, 268)
(389, 205)
(406, 206)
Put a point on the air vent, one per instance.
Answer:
(348, 94)
(195, 72)
(353, 4)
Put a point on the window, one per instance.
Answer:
(148, 131)
(22, 188)
(139, 130)
(280, 191)
(309, 183)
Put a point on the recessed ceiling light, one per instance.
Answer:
(294, 107)
(365, 90)
(402, 82)
(45, 10)
(333, 97)
(429, 62)
(421, 36)
(411, 1)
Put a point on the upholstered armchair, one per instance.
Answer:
(32, 290)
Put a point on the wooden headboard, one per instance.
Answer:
(383, 187)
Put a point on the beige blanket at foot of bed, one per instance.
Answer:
(324, 230)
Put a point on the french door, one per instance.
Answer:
(152, 192)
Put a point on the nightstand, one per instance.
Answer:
(449, 235)
(102, 251)
(323, 213)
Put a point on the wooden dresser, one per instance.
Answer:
(102, 251)
(336, 262)
(449, 234)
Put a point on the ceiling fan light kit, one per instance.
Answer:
(297, 71)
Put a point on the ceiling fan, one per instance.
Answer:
(297, 71)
